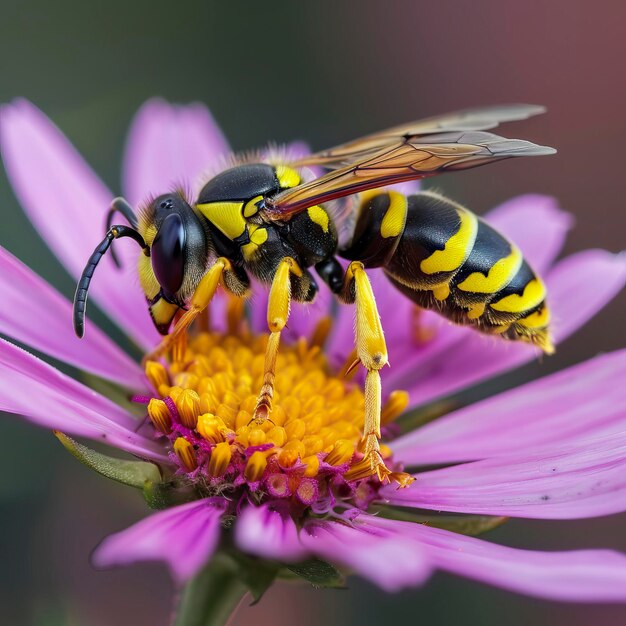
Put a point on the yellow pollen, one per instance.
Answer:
(342, 452)
(220, 458)
(290, 453)
(255, 467)
(305, 491)
(160, 415)
(321, 331)
(348, 369)
(212, 428)
(312, 465)
(185, 452)
(157, 375)
(188, 405)
(278, 436)
(234, 314)
(295, 429)
(385, 451)
(316, 419)
(394, 407)
(256, 436)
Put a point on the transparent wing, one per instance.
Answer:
(407, 159)
(469, 120)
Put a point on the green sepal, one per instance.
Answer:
(132, 473)
(318, 573)
(256, 574)
(163, 495)
(259, 577)
(211, 598)
(471, 525)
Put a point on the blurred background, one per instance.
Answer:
(324, 72)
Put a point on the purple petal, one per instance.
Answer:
(536, 224)
(578, 287)
(288, 152)
(582, 401)
(296, 150)
(382, 557)
(56, 187)
(575, 576)
(302, 317)
(269, 533)
(44, 324)
(586, 478)
(170, 146)
(43, 395)
(185, 537)
(371, 553)
(407, 188)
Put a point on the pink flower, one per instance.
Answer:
(554, 448)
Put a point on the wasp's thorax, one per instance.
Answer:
(231, 201)
(179, 249)
(233, 204)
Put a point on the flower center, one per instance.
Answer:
(306, 451)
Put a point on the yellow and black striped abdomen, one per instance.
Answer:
(447, 259)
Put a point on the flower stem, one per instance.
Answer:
(212, 597)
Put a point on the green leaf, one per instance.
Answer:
(318, 573)
(133, 473)
(463, 524)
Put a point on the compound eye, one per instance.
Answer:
(168, 254)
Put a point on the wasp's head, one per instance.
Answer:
(176, 246)
(178, 249)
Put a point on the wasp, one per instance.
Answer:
(264, 219)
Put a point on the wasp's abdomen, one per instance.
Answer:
(446, 258)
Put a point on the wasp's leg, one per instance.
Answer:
(221, 270)
(372, 353)
(277, 315)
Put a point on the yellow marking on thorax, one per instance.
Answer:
(369, 194)
(319, 216)
(499, 276)
(538, 319)
(534, 293)
(287, 176)
(251, 207)
(457, 248)
(395, 217)
(227, 216)
(258, 236)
